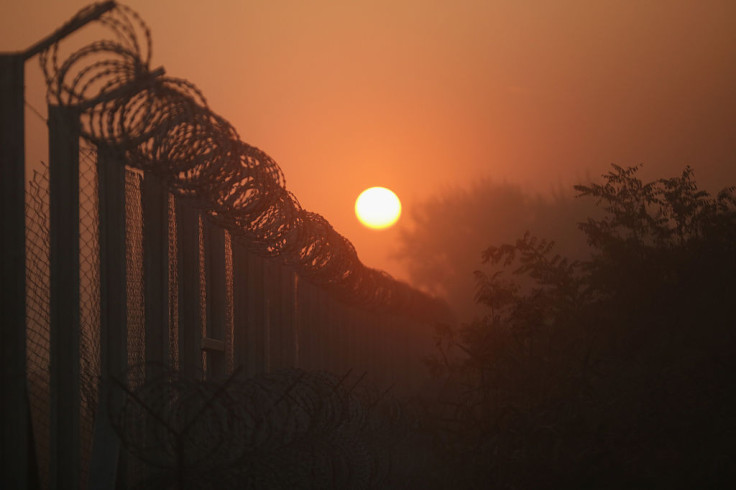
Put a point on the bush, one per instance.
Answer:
(610, 372)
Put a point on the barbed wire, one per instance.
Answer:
(286, 429)
(163, 125)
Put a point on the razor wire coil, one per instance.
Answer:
(163, 125)
(286, 429)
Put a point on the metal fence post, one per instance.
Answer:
(214, 341)
(190, 310)
(305, 324)
(155, 202)
(64, 302)
(297, 319)
(257, 317)
(105, 468)
(14, 417)
(241, 341)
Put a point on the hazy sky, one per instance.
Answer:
(421, 95)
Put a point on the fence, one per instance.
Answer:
(156, 242)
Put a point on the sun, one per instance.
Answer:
(378, 208)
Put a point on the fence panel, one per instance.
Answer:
(135, 279)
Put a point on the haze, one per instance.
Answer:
(418, 96)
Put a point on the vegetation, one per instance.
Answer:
(449, 230)
(611, 372)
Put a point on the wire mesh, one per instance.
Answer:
(229, 319)
(89, 300)
(202, 284)
(136, 333)
(38, 313)
(38, 341)
(173, 288)
(289, 429)
(134, 271)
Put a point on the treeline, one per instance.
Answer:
(439, 244)
(614, 371)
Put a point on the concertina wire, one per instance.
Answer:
(163, 125)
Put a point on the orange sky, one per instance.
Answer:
(421, 95)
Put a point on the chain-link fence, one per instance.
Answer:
(288, 429)
(320, 332)
(223, 272)
(38, 340)
(89, 300)
(38, 294)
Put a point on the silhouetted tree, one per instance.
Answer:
(610, 372)
(441, 244)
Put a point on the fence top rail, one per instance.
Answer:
(88, 14)
(164, 125)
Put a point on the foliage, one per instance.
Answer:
(447, 231)
(610, 372)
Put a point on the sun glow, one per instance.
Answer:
(378, 208)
